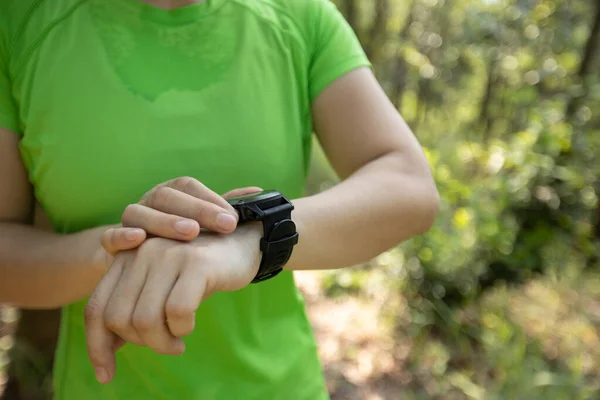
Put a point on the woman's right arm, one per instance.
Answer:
(42, 269)
(39, 268)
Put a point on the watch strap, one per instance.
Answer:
(280, 237)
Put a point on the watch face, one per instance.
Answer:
(256, 197)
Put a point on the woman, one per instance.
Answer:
(124, 119)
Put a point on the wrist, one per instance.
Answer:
(95, 256)
(248, 236)
(229, 262)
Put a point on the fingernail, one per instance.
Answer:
(132, 235)
(184, 226)
(226, 222)
(102, 375)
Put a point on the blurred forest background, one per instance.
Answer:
(501, 300)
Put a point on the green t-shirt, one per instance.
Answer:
(112, 97)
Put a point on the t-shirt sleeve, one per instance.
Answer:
(335, 49)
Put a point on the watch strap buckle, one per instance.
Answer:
(276, 246)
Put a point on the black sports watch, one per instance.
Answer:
(280, 236)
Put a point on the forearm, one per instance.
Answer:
(40, 269)
(386, 202)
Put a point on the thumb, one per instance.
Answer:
(120, 239)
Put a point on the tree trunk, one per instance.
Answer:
(585, 68)
(486, 104)
(399, 80)
(351, 14)
(378, 29)
(399, 73)
(423, 98)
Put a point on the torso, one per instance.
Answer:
(116, 96)
(122, 98)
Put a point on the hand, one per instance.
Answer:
(150, 295)
(176, 209)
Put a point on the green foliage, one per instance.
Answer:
(497, 93)
(510, 209)
(504, 96)
(538, 341)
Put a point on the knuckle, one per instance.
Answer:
(185, 182)
(178, 256)
(182, 328)
(129, 213)
(147, 253)
(93, 310)
(148, 195)
(117, 323)
(144, 322)
(179, 311)
(160, 197)
(183, 332)
(194, 258)
(145, 248)
(107, 240)
(209, 212)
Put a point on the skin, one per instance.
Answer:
(151, 291)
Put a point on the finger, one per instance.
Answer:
(159, 223)
(121, 304)
(196, 189)
(99, 340)
(208, 215)
(242, 192)
(120, 239)
(185, 298)
(118, 344)
(149, 315)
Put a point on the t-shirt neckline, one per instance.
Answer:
(183, 14)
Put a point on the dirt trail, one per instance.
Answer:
(360, 359)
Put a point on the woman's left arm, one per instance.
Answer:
(387, 194)
(149, 296)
